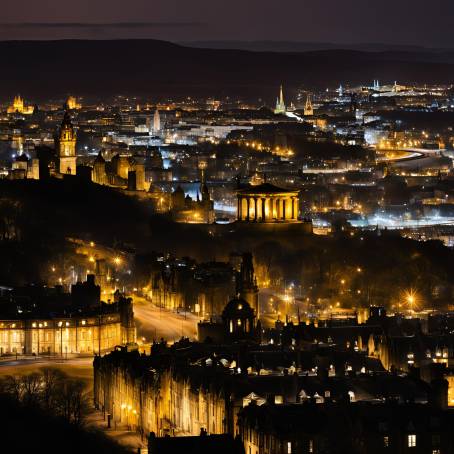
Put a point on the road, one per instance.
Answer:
(154, 323)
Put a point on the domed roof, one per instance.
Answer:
(237, 308)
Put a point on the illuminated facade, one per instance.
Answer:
(88, 334)
(267, 203)
(19, 106)
(23, 167)
(62, 336)
(156, 123)
(167, 401)
(308, 108)
(72, 103)
(99, 170)
(186, 210)
(66, 145)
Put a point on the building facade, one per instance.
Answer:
(267, 203)
(88, 334)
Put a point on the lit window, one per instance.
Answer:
(436, 451)
(311, 446)
(289, 447)
(412, 441)
(386, 442)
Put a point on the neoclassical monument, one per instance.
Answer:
(267, 203)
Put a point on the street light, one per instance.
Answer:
(411, 299)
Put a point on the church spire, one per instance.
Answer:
(308, 108)
(280, 103)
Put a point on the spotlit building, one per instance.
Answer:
(18, 106)
(267, 203)
(89, 333)
(85, 326)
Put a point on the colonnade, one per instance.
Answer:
(267, 209)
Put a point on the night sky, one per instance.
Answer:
(419, 22)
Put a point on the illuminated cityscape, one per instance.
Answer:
(230, 236)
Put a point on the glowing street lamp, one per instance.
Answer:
(411, 299)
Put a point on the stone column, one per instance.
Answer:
(255, 209)
(238, 209)
(284, 208)
(247, 215)
(263, 210)
(296, 207)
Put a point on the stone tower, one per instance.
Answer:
(156, 123)
(203, 183)
(67, 147)
(99, 170)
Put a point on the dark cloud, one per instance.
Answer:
(89, 25)
(406, 22)
(95, 30)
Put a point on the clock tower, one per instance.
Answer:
(67, 146)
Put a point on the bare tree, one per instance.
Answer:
(12, 385)
(52, 379)
(72, 401)
(31, 388)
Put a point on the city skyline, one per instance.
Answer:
(227, 227)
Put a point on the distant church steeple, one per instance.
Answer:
(280, 103)
(308, 108)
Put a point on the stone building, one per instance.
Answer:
(199, 211)
(23, 168)
(90, 332)
(157, 398)
(267, 203)
(203, 289)
(18, 106)
(76, 323)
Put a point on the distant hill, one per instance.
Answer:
(302, 46)
(39, 69)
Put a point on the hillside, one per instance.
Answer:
(39, 69)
